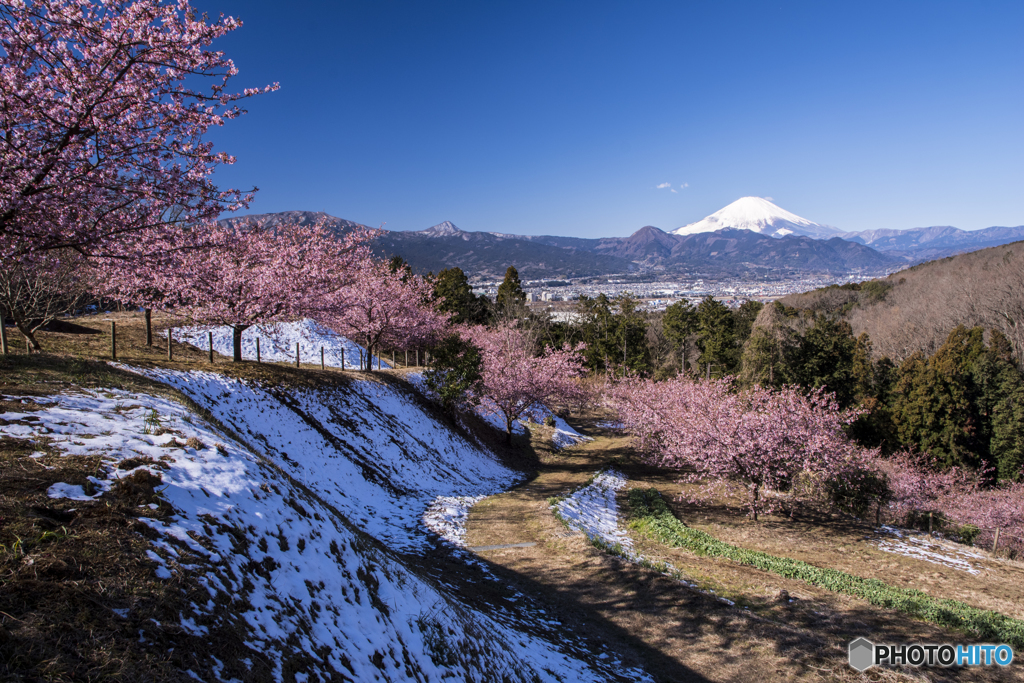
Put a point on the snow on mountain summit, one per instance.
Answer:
(760, 216)
(446, 229)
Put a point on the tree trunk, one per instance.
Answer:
(149, 326)
(236, 342)
(30, 338)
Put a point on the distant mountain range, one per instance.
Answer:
(751, 236)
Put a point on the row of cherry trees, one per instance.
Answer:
(249, 274)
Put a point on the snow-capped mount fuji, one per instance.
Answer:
(760, 216)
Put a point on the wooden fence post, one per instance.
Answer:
(3, 336)
(417, 357)
(170, 353)
(296, 354)
(322, 358)
(113, 340)
(407, 358)
(258, 360)
(210, 340)
(149, 326)
(995, 541)
(342, 358)
(360, 360)
(930, 524)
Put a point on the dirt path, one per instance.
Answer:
(679, 634)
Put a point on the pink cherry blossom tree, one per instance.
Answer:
(382, 308)
(515, 379)
(244, 275)
(919, 486)
(759, 439)
(102, 123)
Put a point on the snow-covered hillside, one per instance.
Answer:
(301, 514)
(277, 343)
(760, 216)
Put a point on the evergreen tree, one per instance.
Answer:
(744, 317)
(935, 405)
(458, 298)
(825, 358)
(397, 264)
(511, 299)
(716, 336)
(455, 373)
(630, 337)
(999, 390)
(768, 352)
(861, 369)
(594, 318)
(680, 325)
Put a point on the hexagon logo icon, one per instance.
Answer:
(862, 654)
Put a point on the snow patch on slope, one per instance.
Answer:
(270, 537)
(277, 343)
(928, 549)
(594, 511)
(367, 448)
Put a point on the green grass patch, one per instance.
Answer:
(652, 517)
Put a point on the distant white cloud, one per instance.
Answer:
(664, 185)
(684, 186)
(770, 199)
(673, 192)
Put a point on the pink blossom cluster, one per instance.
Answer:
(382, 309)
(759, 439)
(959, 496)
(515, 379)
(102, 123)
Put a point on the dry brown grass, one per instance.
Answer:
(79, 600)
(683, 634)
(848, 544)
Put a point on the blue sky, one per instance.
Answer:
(564, 117)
